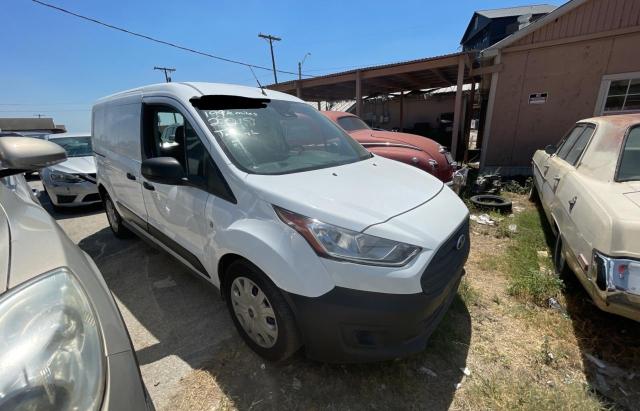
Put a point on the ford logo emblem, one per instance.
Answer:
(460, 242)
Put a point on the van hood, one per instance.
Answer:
(352, 196)
(76, 165)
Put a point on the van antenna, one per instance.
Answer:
(257, 81)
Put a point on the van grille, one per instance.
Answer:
(447, 262)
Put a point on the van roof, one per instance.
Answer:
(188, 90)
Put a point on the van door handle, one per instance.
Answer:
(148, 186)
(131, 177)
(557, 178)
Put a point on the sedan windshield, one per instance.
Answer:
(351, 123)
(277, 137)
(75, 146)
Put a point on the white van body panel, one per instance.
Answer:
(371, 195)
(116, 143)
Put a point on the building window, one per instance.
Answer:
(619, 93)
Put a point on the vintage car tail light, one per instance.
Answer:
(616, 274)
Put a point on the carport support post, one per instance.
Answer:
(299, 89)
(457, 109)
(401, 111)
(358, 94)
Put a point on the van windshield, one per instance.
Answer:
(278, 137)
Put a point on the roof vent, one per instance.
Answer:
(524, 20)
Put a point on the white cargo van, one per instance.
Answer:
(312, 240)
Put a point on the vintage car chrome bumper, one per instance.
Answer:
(458, 180)
(612, 282)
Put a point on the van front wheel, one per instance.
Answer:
(259, 311)
(115, 221)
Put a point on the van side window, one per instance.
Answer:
(166, 133)
(163, 133)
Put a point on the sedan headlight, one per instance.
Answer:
(616, 274)
(339, 243)
(50, 347)
(60, 177)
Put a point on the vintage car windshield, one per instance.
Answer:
(276, 136)
(351, 123)
(629, 168)
(75, 146)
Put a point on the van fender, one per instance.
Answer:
(280, 252)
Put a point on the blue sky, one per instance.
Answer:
(57, 65)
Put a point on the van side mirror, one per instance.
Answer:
(163, 170)
(550, 149)
(20, 154)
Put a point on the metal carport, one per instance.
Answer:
(432, 72)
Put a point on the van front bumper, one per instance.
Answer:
(347, 325)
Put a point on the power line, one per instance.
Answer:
(166, 43)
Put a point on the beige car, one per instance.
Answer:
(589, 187)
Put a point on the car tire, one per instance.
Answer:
(491, 202)
(534, 197)
(260, 313)
(114, 218)
(559, 260)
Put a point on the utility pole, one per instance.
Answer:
(300, 63)
(167, 72)
(273, 59)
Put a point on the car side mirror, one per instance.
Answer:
(550, 149)
(163, 170)
(20, 154)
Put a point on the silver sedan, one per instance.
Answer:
(72, 182)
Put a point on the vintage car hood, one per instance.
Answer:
(76, 165)
(352, 196)
(410, 140)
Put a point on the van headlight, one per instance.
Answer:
(60, 177)
(339, 243)
(51, 352)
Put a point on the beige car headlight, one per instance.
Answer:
(51, 352)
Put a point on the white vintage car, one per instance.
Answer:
(589, 187)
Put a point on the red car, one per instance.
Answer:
(417, 151)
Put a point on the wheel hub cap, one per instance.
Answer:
(254, 312)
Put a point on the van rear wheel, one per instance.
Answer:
(260, 313)
(114, 218)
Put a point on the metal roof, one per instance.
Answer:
(26, 124)
(430, 72)
(517, 11)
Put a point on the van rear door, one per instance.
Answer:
(116, 143)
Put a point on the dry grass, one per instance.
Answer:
(521, 354)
